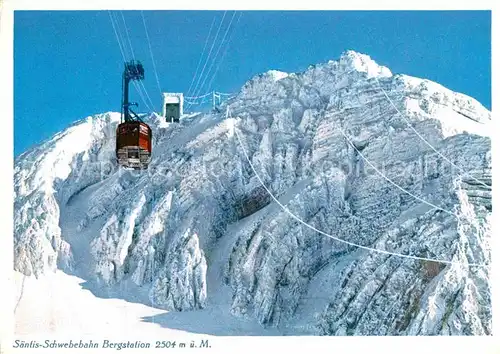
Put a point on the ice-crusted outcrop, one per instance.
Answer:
(330, 143)
(45, 178)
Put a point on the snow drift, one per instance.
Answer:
(198, 227)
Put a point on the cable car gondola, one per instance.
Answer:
(133, 136)
(133, 144)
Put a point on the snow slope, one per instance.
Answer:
(55, 305)
(197, 231)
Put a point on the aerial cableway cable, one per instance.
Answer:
(119, 39)
(208, 57)
(193, 100)
(125, 52)
(199, 77)
(151, 52)
(195, 88)
(133, 57)
(121, 45)
(216, 55)
(425, 140)
(222, 58)
(196, 97)
(139, 86)
(234, 129)
(201, 56)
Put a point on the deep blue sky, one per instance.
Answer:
(67, 65)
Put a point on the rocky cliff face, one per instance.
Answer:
(330, 144)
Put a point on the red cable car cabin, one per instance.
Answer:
(133, 144)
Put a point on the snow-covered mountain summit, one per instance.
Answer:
(198, 229)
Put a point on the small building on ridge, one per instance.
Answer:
(173, 106)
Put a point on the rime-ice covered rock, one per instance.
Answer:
(182, 282)
(346, 147)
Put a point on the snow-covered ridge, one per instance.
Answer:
(457, 112)
(198, 229)
(423, 99)
(363, 63)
